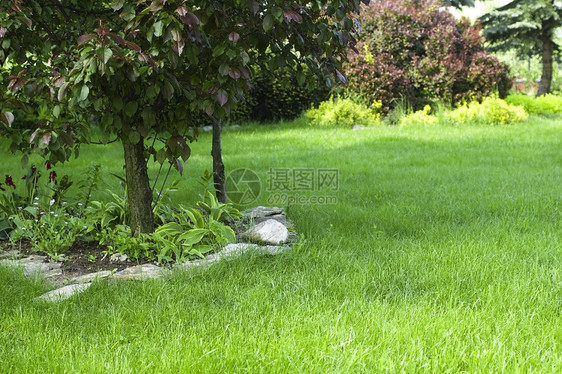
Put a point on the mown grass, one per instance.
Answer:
(442, 254)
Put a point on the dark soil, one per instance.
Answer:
(82, 258)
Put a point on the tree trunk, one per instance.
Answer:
(546, 77)
(141, 219)
(218, 167)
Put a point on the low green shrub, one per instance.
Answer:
(344, 113)
(421, 117)
(537, 105)
(492, 111)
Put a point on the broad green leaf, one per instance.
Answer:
(117, 103)
(224, 69)
(117, 4)
(196, 217)
(56, 111)
(62, 91)
(134, 137)
(218, 50)
(277, 13)
(193, 236)
(107, 53)
(24, 161)
(168, 90)
(131, 108)
(84, 91)
(160, 156)
(170, 228)
(245, 57)
(301, 78)
(106, 119)
(267, 22)
(157, 28)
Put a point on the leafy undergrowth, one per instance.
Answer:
(45, 215)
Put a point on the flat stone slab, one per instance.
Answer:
(262, 211)
(278, 217)
(10, 255)
(87, 278)
(34, 265)
(64, 293)
(140, 272)
(232, 251)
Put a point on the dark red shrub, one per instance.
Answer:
(419, 51)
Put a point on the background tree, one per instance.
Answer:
(528, 27)
(137, 72)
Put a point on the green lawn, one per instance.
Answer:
(442, 254)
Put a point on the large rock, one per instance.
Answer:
(270, 231)
(64, 292)
(261, 211)
(118, 257)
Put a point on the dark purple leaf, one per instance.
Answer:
(16, 84)
(178, 47)
(179, 166)
(222, 97)
(59, 81)
(26, 21)
(46, 139)
(234, 74)
(341, 77)
(190, 19)
(245, 73)
(84, 38)
(133, 46)
(182, 11)
(7, 118)
(102, 31)
(185, 150)
(119, 40)
(234, 37)
(253, 6)
(291, 15)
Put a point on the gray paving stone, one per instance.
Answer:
(64, 293)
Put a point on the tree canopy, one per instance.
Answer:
(526, 26)
(136, 71)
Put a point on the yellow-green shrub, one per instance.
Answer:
(421, 117)
(492, 111)
(537, 105)
(343, 113)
